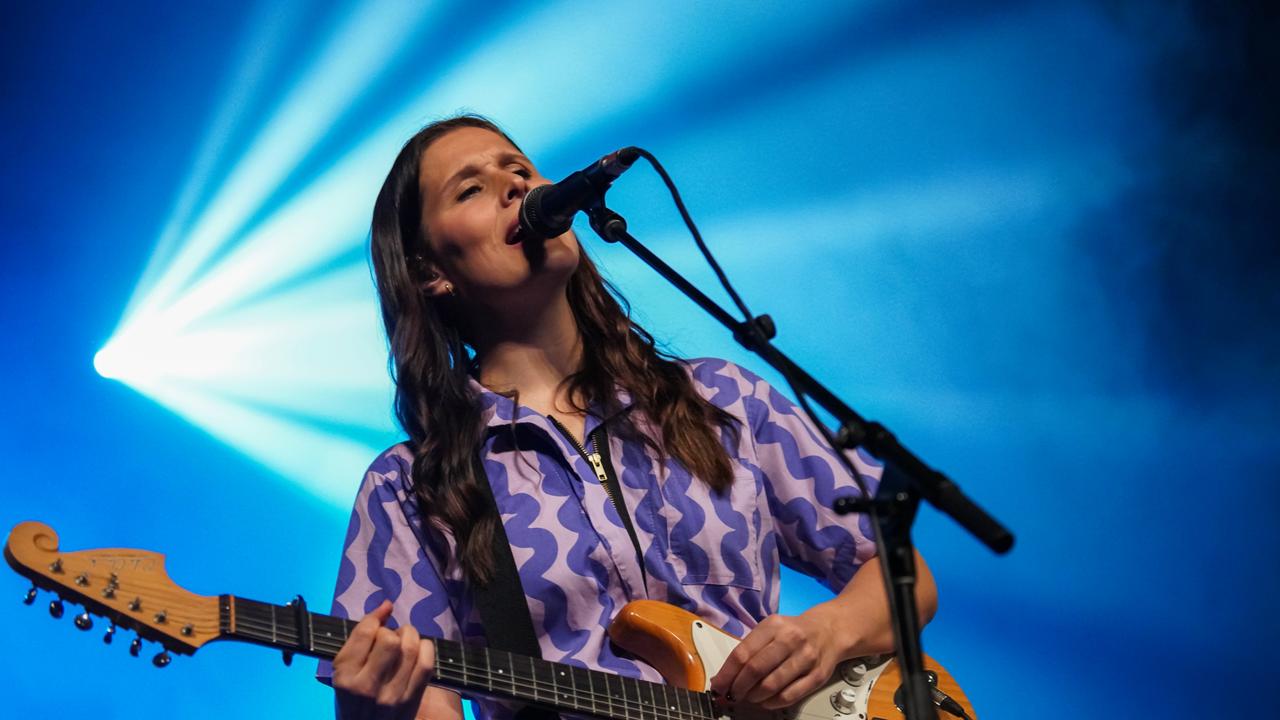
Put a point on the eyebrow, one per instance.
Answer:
(471, 169)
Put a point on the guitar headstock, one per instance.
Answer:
(130, 588)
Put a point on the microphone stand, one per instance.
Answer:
(905, 481)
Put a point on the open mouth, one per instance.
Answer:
(515, 235)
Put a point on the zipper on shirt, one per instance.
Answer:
(604, 473)
(593, 458)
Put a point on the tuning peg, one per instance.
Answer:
(110, 634)
(135, 646)
(31, 596)
(161, 659)
(83, 621)
(55, 608)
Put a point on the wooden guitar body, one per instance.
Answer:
(689, 652)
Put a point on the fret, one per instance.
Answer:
(224, 614)
(511, 675)
(447, 661)
(582, 678)
(617, 695)
(533, 681)
(704, 703)
(567, 674)
(488, 668)
(562, 678)
(668, 707)
(649, 706)
(462, 664)
(497, 679)
(545, 678)
(630, 695)
(501, 678)
(451, 663)
(329, 627)
(682, 702)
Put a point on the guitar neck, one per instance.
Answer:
(475, 669)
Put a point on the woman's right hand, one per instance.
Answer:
(382, 673)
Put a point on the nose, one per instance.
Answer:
(517, 188)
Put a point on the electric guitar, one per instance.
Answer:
(131, 589)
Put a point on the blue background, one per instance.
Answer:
(1036, 239)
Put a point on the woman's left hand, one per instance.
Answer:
(781, 661)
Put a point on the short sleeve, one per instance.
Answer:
(384, 557)
(803, 478)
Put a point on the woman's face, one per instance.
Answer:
(472, 181)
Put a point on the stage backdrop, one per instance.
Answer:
(1033, 238)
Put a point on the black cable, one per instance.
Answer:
(697, 236)
(801, 397)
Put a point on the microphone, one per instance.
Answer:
(548, 210)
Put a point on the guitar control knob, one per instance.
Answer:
(162, 659)
(31, 596)
(135, 646)
(110, 634)
(853, 673)
(83, 621)
(844, 701)
(55, 608)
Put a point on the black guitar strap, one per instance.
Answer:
(503, 609)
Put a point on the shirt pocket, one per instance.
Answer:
(714, 537)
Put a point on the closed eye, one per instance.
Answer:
(468, 192)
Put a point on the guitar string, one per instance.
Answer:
(286, 634)
(538, 689)
(585, 701)
(611, 703)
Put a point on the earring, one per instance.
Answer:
(448, 287)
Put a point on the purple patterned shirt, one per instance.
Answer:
(714, 555)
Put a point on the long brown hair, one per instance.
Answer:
(431, 363)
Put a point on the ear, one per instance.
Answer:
(435, 283)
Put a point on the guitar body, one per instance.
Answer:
(689, 652)
(133, 591)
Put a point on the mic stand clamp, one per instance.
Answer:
(894, 509)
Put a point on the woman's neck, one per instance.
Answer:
(531, 353)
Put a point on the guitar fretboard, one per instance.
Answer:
(476, 669)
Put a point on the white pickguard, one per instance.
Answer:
(714, 646)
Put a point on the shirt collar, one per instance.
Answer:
(501, 411)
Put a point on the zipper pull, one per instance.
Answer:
(597, 464)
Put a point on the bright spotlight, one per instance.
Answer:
(117, 361)
(104, 364)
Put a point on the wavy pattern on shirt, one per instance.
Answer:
(717, 555)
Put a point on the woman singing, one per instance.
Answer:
(619, 473)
